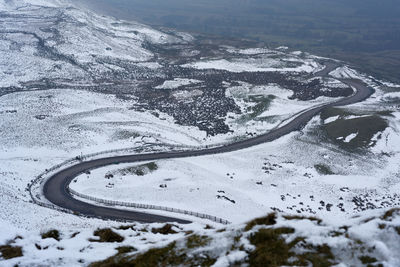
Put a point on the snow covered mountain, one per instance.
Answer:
(57, 41)
(48, 45)
(74, 83)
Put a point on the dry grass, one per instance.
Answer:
(297, 217)
(270, 219)
(195, 241)
(165, 230)
(388, 216)
(52, 234)
(107, 235)
(165, 256)
(9, 252)
(271, 249)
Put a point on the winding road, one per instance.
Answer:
(56, 191)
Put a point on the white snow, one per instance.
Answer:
(176, 83)
(297, 53)
(345, 72)
(393, 96)
(250, 51)
(350, 137)
(389, 84)
(150, 65)
(351, 117)
(331, 119)
(266, 64)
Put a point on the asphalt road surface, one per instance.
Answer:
(55, 188)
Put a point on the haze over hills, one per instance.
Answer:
(122, 143)
(364, 33)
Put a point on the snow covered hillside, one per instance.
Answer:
(74, 83)
(272, 240)
(57, 41)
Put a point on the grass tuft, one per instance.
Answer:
(125, 249)
(165, 230)
(9, 252)
(139, 170)
(107, 235)
(388, 216)
(270, 219)
(397, 229)
(52, 234)
(195, 241)
(297, 217)
(319, 256)
(164, 256)
(271, 249)
(367, 259)
(125, 227)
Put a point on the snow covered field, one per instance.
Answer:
(41, 129)
(248, 183)
(262, 59)
(264, 108)
(263, 64)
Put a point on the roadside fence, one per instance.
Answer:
(37, 183)
(146, 206)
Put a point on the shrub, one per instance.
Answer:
(152, 166)
(323, 169)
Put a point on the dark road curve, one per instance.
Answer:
(55, 188)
